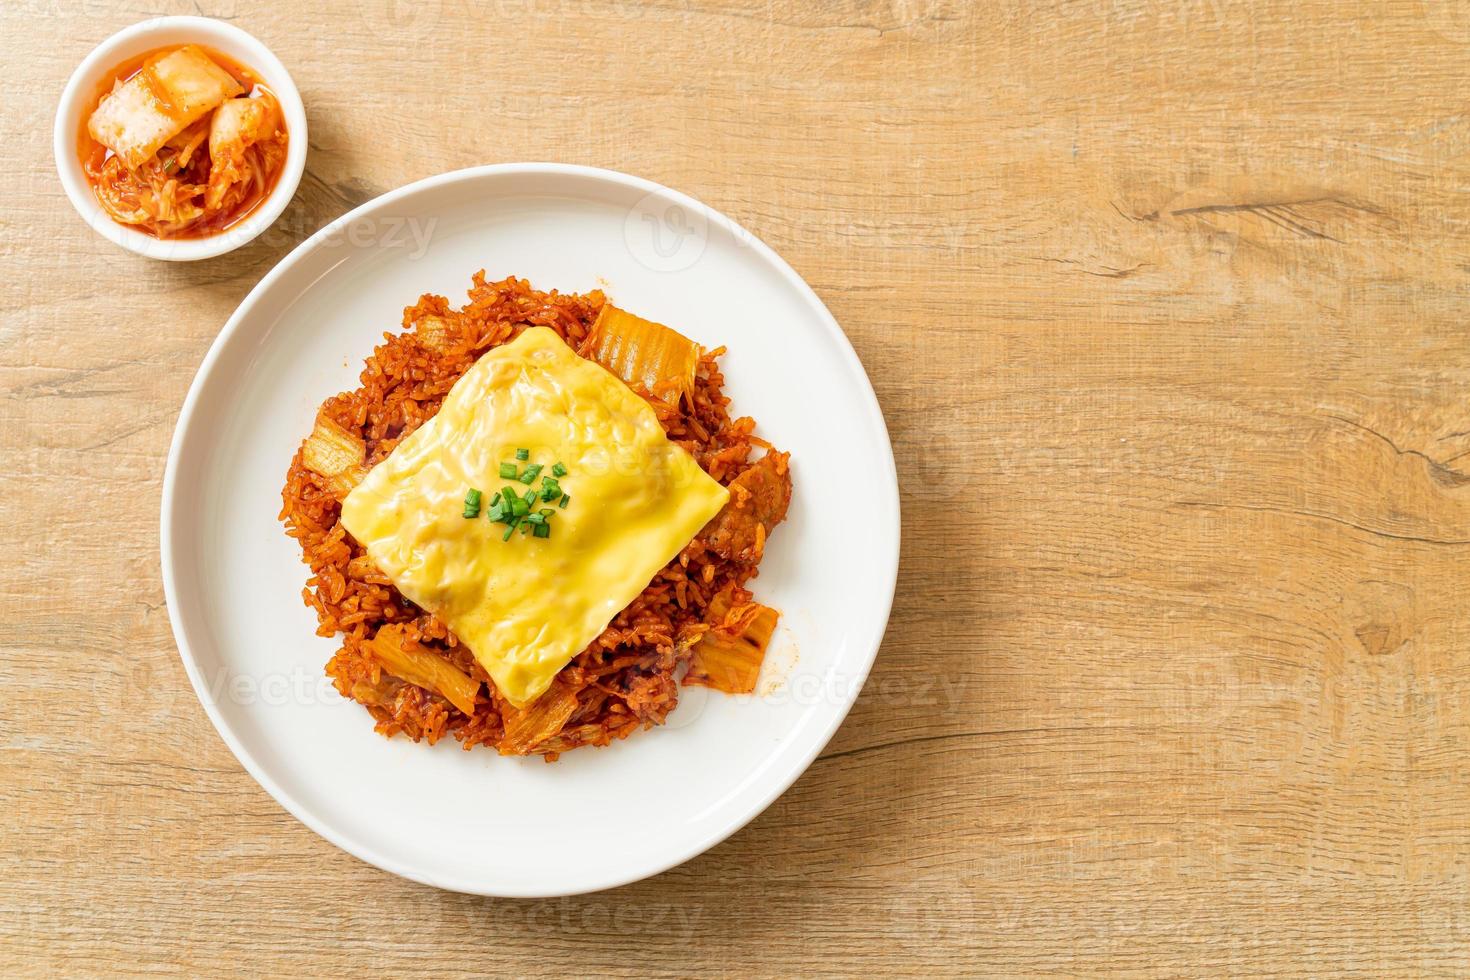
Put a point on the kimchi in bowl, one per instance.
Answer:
(96, 73)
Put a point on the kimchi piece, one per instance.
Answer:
(527, 728)
(728, 657)
(411, 661)
(650, 355)
(184, 144)
(336, 455)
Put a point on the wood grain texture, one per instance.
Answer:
(1167, 299)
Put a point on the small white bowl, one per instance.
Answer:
(159, 33)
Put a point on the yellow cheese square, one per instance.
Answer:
(527, 606)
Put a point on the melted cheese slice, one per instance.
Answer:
(526, 606)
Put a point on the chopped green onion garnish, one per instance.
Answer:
(507, 471)
(519, 508)
(509, 531)
(558, 470)
(566, 498)
(536, 518)
(546, 512)
(530, 497)
(523, 454)
(531, 472)
(472, 503)
(550, 489)
(541, 530)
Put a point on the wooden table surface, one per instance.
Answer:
(1166, 301)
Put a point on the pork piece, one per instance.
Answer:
(159, 102)
(758, 501)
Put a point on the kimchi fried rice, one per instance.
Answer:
(695, 622)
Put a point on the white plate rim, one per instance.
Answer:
(887, 537)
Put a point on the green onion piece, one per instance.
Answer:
(523, 454)
(530, 497)
(566, 498)
(508, 471)
(519, 508)
(511, 529)
(531, 472)
(542, 530)
(550, 489)
(546, 512)
(536, 518)
(558, 469)
(472, 504)
(497, 507)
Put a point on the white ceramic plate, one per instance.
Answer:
(474, 821)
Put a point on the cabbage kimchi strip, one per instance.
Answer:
(728, 657)
(644, 354)
(413, 662)
(333, 452)
(528, 727)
